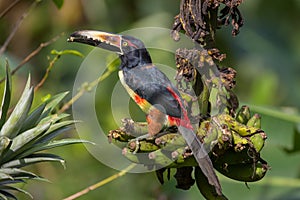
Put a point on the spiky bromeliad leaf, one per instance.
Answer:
(14, 123)
(17, 173)
(12, 188)
(6, 96)
(44, 139)
(24, 135)
(6, 195)
(5, 176)
(35, 158)
(5, 144)
(53, 102)
(58, 3)
(33, 118)
(24, 141)
(52, 144)
(42, 112)
(54, 118)
(55, 130)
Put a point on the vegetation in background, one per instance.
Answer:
(266, 56)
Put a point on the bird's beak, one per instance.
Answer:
(108, 41)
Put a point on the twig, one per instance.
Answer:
(4, 12)
(85, 88)
(50, 66)
(101, 183)
(33, 53)
(16, 27)
(58, 55)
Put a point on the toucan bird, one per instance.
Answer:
(151, 90)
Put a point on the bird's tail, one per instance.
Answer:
(201, 156)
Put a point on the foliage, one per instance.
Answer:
(265, 55)
(58, 3)
(25, 135)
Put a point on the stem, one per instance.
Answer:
(84, 89)
(101, 183)
(273, 112)
(32, 54)
(4, 12)
(51, 64)
(16, 27)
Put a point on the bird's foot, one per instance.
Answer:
(134, 144)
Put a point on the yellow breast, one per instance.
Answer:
(142, 103)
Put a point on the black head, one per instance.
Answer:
(132, 51)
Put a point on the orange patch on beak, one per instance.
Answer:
(110, 39)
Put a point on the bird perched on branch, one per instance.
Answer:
(151, 90)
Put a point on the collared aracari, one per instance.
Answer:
(151, 90)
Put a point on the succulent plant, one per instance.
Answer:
(25, 134)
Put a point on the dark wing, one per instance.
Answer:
(160, 97)
(151, 84)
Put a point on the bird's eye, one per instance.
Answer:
(125, 43)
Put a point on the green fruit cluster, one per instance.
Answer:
(234, 144)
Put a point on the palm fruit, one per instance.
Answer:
(245, 172)
(243, 115)
(207, 190)
(233, 144)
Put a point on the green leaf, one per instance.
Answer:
(59, 143)
(55, 130)
(296, 144)
(46, 97)
(33, 118)
(11, 181)
(6, 96)
(58, 3)
(64, 52)
(17, 173)
(21, 180)
(24, 141)
(19, 114)
(5, 143)
(4, 195)
(21, 140)
(44, 144)
(6, 187)
(53, 102)
(54, 118)
(64, 142)
(35, 158)
(5, 176)
(54, 157)
(276, 113)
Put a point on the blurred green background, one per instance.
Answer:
(265, 55)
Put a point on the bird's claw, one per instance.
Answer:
(134, 144)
